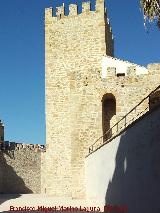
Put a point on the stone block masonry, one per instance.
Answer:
(73, 48)
(20, 168)
(76, 85)
(86, 92)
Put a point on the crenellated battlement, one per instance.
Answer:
(111, 72)
(121, 67)
(60, 12)
(122, 61)
(128, 72)
(73, 10)
(22, 146)
(86, 7)
(48, 13)
(131, 71)
(154, 69)
(100, 6)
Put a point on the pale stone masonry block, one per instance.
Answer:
(154, 69)
(111, 72)
(131, 71)
(100, 6)
(73, 10)
(48, 13)
(60, 12)
(86, 6)
(49, 18)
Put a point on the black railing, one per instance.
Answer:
(125, 120)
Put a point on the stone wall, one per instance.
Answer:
(74, 45)
(120, 65)
(86, 106)
(74, 49)
(125, 172)
(20, 168)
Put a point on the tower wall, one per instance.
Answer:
(74, 46)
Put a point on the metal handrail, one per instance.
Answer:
(124, 117)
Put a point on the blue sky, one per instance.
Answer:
(22, 58)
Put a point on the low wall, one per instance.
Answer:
(126, 171)
(20, 169)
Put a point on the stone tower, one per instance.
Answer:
(74, 46)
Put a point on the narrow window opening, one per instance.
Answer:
(108, 111)
(120, 74)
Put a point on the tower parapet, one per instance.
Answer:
(86, 7)
(111, 72)
(131, 71)
(22, 146)
(73, 10)
(153, 69)
(49, 16)
(100, 6)
(60, 12)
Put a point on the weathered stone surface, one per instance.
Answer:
(74, 46)
(20, 169)
(74, 49)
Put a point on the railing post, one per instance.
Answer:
(125, 121)
(91, 149)
(111, 132)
